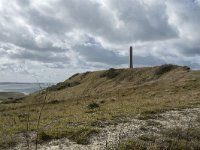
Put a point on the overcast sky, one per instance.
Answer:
(49, 40)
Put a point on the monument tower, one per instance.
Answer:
(131, 58)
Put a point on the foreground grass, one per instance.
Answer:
(66, 119)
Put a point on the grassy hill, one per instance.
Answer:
(145, 82)
(79, 106)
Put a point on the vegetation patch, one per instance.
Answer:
(164, 69)
(10, 101)
(93, 105)
(181, 138)
(85, 74)
(8, 144)
(132, 145)
(184, 134)
(78, 135)
(186, 68)
(110, 74)
(152, 123)
(11, 97)
(82, 135)
(73, 76)
(149, 115)
(63, 85)
(44, 137)
(148, 138)
(54, 102)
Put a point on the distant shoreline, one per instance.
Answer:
(25, 88)
(25, 93)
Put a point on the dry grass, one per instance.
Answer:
(129, 93)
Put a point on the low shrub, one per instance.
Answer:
(164, 69)
(43, 137)
(63, 85)
(110, 74)
(83, 135)
(93, 105)
(73, 76)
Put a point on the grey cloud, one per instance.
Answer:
(139, 21)
(28, 42)
(57, 65)
(142, 21)
(16, 53)
(13, 67)
(48, 23)
(22, 35)
(40, 57)
(149, 59)
(187, 48)
(96, 53)
(185, 16)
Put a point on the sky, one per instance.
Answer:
(50, 40)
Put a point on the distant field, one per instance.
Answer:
(5, 96)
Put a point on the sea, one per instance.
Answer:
(25, 88)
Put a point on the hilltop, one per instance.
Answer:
(83, 107)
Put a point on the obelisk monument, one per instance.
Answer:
(131, 58)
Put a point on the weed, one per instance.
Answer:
(132, 145)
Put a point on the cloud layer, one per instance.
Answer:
(52, 39)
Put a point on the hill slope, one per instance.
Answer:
(83, 104)
(161, 81)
